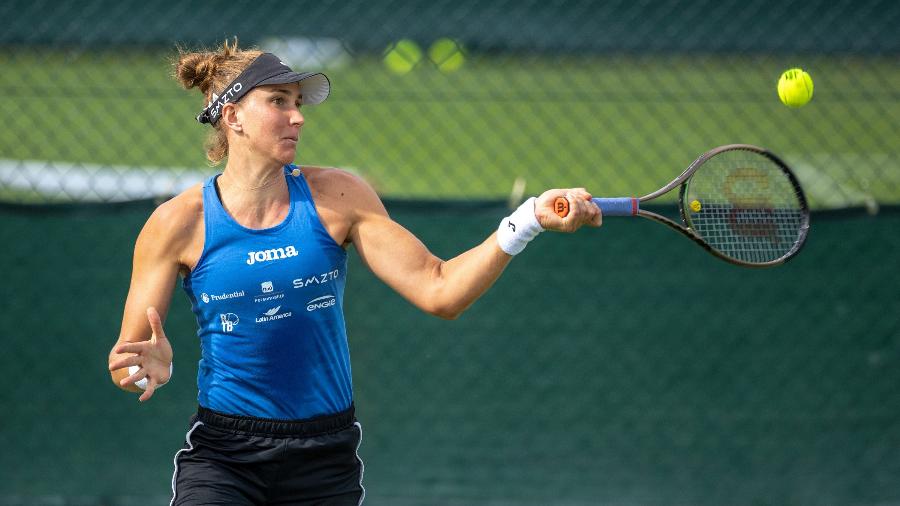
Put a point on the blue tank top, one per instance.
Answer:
(269, 305)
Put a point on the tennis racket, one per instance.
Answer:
(739, 202)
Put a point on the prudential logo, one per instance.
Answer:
(205, 297)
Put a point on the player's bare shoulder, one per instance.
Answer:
(340, 190)
(180, 214)
(342, 200)
(176, 227)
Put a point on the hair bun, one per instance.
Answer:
(197, 70)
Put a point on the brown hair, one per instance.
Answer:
(212, 71)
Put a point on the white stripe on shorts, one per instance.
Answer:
(187, 439)
(362, 467)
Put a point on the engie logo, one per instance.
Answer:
(321, 302)
(271, 254)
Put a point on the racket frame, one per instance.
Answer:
(684, 227)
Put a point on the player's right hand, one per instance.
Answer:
(153, 358)
(582, 211)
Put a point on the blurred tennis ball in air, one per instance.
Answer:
(447, 55)
(402, 56)
(795, 87)
(695, 206)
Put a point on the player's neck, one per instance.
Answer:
(254, 193)
(255, 175)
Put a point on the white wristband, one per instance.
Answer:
(517, 229)
(142, 383)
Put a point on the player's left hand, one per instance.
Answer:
(582, 210)
(153, 358)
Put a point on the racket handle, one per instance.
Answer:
(619, 206)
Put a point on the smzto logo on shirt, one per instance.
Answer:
(229, 320)
(318, 279)
(267, 287)
(271, 254)
(321, 302)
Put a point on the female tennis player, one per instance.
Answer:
(262, 249)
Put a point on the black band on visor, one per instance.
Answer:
(267, 69)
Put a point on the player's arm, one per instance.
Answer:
(155, 270)
(439, 287)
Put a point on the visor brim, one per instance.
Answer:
(314, 86)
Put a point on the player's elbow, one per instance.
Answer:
(445, 310)
(446, 314)
(440, 297)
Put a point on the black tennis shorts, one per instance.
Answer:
(238, 460)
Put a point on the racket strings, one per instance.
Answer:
(745, 206)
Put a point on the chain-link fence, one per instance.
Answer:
(461, 99)
(619, 366)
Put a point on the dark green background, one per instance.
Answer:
(614, 366)
(820, 26)
(620, 366)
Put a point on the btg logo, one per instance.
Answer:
(229, 320)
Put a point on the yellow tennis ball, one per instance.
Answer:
(402, 56)
(795, 88)
(447, 55)
(695, 206)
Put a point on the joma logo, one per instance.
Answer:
(271, 254)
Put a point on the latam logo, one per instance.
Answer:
(271, 254)
(273, 314)
(321, 302)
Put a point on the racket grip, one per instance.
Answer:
(619, 206)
